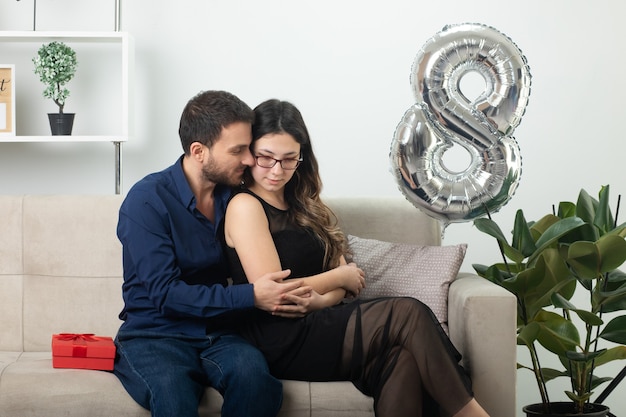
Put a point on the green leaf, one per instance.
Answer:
(494, 273)
(578, 398)
(619, 230)
(615, 330)
(492, 229)
(480, 269)
(555, 231)
(584, 257)
(539, 227)
(586, 207)
(615, 298)
(609, 355)
(566, 209)
(596, 381)
(612, 249)
(586, 232)
(603, 219)
(525, 282)
(549, 374)
(522, 238)
(588, 317)
(549, 276)
(489, 227)
(583, 357)
(561, 302)
(591, 259)
(616, 278)
(528, 334)
(557, 334)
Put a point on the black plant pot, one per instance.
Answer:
(566, 409)
(61, 123)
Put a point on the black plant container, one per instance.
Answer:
(61, 123)
(566, 409)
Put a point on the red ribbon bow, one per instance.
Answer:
(88, 337)
(79, 350)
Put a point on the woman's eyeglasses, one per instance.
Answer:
(269, 162)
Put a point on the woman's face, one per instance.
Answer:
(269, 149)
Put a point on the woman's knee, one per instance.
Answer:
(412, 306)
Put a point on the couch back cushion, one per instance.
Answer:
(387, 219)
(70, 276)
(61, 261)
(11, 269)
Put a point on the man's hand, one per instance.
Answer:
(269, 290)
(299, 302)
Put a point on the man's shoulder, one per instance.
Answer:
(152, 187)
(156, 180)
(151, 184)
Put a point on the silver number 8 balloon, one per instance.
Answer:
(443, 117)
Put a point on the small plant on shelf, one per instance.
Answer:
(55, 63)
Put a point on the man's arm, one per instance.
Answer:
(159, 249)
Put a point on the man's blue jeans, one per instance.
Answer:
(168, 375)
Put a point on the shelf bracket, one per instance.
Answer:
(118, 167)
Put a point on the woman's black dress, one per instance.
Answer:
(392, 349)
(302, 349)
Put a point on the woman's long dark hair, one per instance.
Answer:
(302, 192)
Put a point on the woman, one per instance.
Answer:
(392, 348)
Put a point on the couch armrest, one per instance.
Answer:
(482, 323)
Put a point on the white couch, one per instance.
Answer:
(61, 271)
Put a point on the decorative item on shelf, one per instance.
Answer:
(55, 63)
(577, 249)
(7, 100)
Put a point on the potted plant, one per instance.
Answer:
(55, 63)
(579, 248)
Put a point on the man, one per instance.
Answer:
(175, 339)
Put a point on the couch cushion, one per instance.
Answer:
(73, 267)
(72, 236)
(384, 218)
(339, 399)
(399, 269)
(67, 304)
(12, 235)
(11, 312)
(30, 386)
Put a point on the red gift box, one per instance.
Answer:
(82, 351)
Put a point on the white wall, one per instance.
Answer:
(346, 65)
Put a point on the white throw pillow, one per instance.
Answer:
(398, 269)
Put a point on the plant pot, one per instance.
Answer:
(566, 409)
(61, 123)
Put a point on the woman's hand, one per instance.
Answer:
(353, 278)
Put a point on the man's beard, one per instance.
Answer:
(211, 172)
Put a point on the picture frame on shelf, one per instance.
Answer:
(7, 100)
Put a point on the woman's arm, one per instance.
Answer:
(346, 276)
(246, 229)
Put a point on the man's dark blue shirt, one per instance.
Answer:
(175, 274)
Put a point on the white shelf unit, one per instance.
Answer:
(126, 50)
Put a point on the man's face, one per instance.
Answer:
(230, 155)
